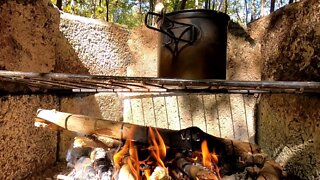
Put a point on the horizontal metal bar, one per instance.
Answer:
(78, 83)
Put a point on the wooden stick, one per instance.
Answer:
(94, 126)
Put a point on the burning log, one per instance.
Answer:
(160, 173)
(233, 155)
(195, 170)
(125, 173)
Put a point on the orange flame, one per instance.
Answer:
(147, 173)
(158, 148)
(119, 155)
(206, 156)
(208, 159)
(132, 160)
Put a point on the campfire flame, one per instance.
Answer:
(132, 160)
(157, 148)
(155, 165)
(128, 154)
(209, 160)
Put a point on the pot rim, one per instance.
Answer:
(192, 13)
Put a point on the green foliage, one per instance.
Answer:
(131, 13)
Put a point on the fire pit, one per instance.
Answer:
(117, 150)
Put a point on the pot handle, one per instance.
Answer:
(172, 25)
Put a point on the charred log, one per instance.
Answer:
(195, 170)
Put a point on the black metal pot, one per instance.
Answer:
(193, 44)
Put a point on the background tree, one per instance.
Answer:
(59, 4)
(183, 4)
(131, 13)
(272, 5)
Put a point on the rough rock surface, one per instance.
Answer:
(101, 48)
(28, 31)
(291, 43)
(288, 127)
(25, 149)
(28, 34)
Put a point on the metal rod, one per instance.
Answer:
(121, 84)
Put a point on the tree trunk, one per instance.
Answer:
(94, 8)
(213, 4)
(151, 5)
(220, 5)
(262, 8)
(272, 5)
(72, 4)
(107, 11)
(183, 4)
(253, 10)
(176, 5)
(246, 11)
(225, 6)
(59, 4)
(140, 11)
(206, 4)
(196, 4)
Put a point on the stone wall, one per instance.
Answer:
(25, 149)
(288, 125)
(100, 47)
(28, 34)
(34, 38)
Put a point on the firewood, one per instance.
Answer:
(189, 138)
(195, 170)
(233, 154)
(270, 170)
(125, 173)
(160, 173)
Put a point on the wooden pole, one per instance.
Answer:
(95, 126)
